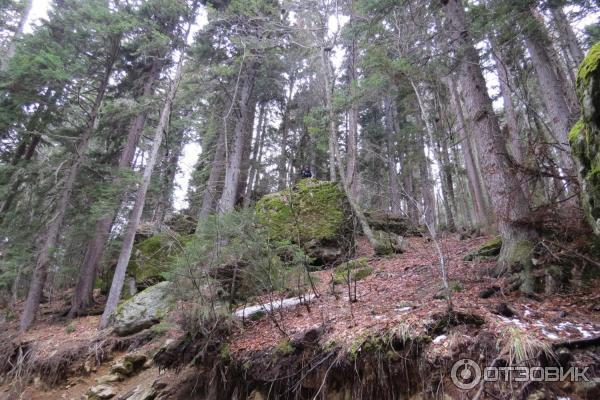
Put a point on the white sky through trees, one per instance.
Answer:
(191, 151)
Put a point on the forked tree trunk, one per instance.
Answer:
(134, 217)
(40, 272)
(508, 200)
(82, 296)
(234, 158)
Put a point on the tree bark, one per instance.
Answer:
(566, 35)
(256, 156)
(508, 200)
(216, 171)
(234, 159)
(329, 86)
(284, 131)
(351, 152)
(245, 165)
(553, 96)
(395, 203)
(136, 212)
(40, 272)
(82, 296)
(475, 184)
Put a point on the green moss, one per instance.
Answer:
(587, 68)
(162, 328)
(584, 137)
(491, 248)
(357, 270)
(284, 347)
(154, 257)
(225, 352)
(576, 132)
(314, 210)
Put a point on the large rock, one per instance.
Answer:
(153, 257)
(316, 215)
(144, 309)
(585, 135)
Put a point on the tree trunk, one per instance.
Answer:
(510, 115)
(234, 159)
(256, 156)
(40, 273)
(329, 86)
(395, 206)
(134, 217)
(82, 296)
(216, 171)
(284, 131)
(475, 183)
(351, 152)
(567, 36)
(245, 165)
(508, 200)
(558, 117)
(12, 47)
(171, 161)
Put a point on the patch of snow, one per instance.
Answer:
(272, 306)
(527, 313)
(585, 333)
(540, 324)
(439, 339)
(550, 335)
(563, 398)
(403, 309)
(379, 317)
(514, 321)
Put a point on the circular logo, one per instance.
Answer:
(465, 374)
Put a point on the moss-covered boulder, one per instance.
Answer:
(143, 310)
(316, 215)
(386, 222)
(489, 249)
(585, 135)
(152, 258)
(389, 243)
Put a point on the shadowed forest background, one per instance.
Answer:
(430, 128)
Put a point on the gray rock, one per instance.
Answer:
(110, 378)
(142, 393)
(143, 310)
(101, 392)
(129, 364)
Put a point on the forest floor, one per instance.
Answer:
(403, 290)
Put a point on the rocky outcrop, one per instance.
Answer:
(585, 136)
(316, 215)
(143, 310)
